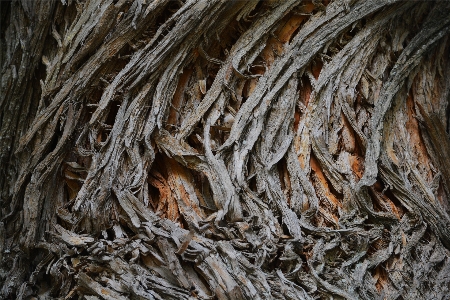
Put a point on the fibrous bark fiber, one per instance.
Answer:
(156, 149)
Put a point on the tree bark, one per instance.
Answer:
(225, 149)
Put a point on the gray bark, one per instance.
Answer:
(225, 149)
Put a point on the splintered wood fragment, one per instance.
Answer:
(202, 85)
(94, 287)
(124, 200)
(185, 244)
(72, 238)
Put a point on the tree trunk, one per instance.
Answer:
(225, 149)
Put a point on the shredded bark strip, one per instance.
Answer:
(212, 149)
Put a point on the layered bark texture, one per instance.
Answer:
(156, 149)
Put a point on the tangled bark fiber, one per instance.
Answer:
(225, 149)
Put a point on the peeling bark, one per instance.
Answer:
(225, 149)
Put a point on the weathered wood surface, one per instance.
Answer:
(225, 149)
